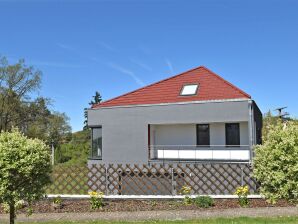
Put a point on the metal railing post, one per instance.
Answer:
(242, 176)
(173, 185)
(163, 156)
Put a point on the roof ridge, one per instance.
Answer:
(144, 87)
(227, 82)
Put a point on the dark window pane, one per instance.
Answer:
(96, 142)
(232, 134)
(203, 134)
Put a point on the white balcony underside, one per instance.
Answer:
(204, 154)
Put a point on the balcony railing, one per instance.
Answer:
(192, 152)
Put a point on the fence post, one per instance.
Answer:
(173, 185)
(107, 185)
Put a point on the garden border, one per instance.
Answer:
(148, 197)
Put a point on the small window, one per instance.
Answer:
(232, 134)
(203, 135)
(189, 89)
(96, 150)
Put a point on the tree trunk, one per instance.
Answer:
(11, 213)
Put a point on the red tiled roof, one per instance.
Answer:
(211, 87)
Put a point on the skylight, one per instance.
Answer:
(189, 89)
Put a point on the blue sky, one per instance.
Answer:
(119, 45)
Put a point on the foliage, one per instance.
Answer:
(76, 151)
(96, 200)
(268, 121)
(24, 169)
(276, 164)
(96, 99)
(57, 200)
(32, 117)
(185, 190)
(153, 203)
(204, 201)
(242, 193)
(19, 205)
(16, 82)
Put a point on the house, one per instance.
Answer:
(195, 116)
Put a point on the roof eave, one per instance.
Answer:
(175, 103)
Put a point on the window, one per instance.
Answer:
(96, 151)
(203, 134)
(232, 134)
(190, 89)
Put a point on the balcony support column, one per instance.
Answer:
(250, 129)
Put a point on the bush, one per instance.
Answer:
(185, 190)
(276, 164)
(24, 170)
(204, 201)
(96, 200)
(57, 202)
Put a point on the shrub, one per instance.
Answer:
(57, 202)
(96, 200)
(276, 164)
(24, 169)
(185, 190)
(242, 193)
(204, 201)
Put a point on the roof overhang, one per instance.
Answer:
(176, 103)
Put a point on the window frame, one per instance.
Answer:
(238, 140)
(189, 84)
(91, 156)
(198, 135)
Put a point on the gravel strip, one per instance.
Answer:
(158, 215)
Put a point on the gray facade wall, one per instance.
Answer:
(125, 129)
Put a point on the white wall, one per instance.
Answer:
(217, 134)
(218, 137)
(180, 134)
(244, 136)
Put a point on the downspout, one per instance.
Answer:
(250, 127)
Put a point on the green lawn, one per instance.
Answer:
(244, 220)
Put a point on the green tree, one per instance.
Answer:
(24, 169)
(59, 130)
(269, 120)
(17, 109)
(17, 81)
(96, 99)
(276, 164)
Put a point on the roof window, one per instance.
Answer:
(189, 89)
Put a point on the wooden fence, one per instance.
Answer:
(154, 179)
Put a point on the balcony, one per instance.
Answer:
(199, 153)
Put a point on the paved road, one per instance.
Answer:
(158, 215)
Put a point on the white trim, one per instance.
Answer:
(71, 196)
(176, 103)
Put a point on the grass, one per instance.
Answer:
(242, 220)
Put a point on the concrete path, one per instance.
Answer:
(158, 215)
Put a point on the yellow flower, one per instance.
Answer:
(242, 191)
(93, 193)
